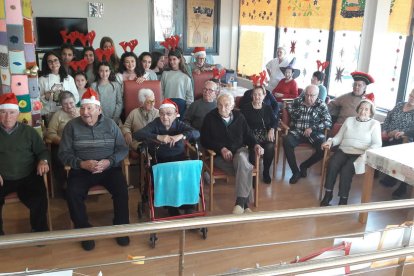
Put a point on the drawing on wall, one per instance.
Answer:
(200, 23)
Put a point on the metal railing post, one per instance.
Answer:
(181, 260)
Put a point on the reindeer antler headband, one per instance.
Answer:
(73, 36)
(322, 65)
(171, 43)
(261, 78)
(131, 44)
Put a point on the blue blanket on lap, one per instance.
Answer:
(177, 183)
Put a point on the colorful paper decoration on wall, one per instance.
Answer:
(351, 9)
(27, 8)
(25, 118)
(15, 37)
(2, 11)
(305, 14)
(24, 103)
(28, 30)
(258, 13)
(33, 87)
(17, 62)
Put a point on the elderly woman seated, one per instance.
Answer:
(55, 129)
(356, 135)
(165, 136)
(139, 118)
(397, 124)
(263, 124)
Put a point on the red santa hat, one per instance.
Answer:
(370, 98)
(199, 51)
(169, 103)
(90, 97)
(9, 101)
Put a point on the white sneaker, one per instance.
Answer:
(248, 210)
(238, 210)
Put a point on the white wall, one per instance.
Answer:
(124, 20)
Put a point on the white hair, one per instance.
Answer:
(226, 95)
(143, 94)
(212, 82)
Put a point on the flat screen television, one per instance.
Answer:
(48, 30)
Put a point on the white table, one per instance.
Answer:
(396, 161)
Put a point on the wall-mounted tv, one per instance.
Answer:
(48, 30)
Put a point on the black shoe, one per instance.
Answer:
(88, 245)
(327, 198)
(343, 201)
(294, 179)
(400, 192)
(122, 241)
(303, 170)
(266, 178)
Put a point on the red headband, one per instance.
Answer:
(73, 36)
(322, 65)
(171, 42)
(79, 65)
(131, 44)
(261, 78)
(100, 54)
(218, 74)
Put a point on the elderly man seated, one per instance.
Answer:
(200, 64)
(24, 159)
(94, 147)
(344, 106)
(197, 111)
(165, 136)
(309, 117)
(226, 132)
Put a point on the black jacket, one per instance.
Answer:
(215, 134)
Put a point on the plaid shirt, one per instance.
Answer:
(316, 117)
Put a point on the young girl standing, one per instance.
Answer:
(81, 82)
(176, 82)
(110, 92)
(89, 55)
(130, 69)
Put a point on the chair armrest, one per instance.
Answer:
(211, 152)
(405, 139)
(126, 161)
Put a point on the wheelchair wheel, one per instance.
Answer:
(153, 239)
(204, 233)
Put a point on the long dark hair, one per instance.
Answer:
(84, 75)
(111, 77)
(139, 70)
(155, 58)
(114, 60)
(45, 66)
(182, 66)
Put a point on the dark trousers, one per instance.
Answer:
(59, 172)
(342, 164)
(291, 141)
(32, 193)
(79, 183)
(269, 153)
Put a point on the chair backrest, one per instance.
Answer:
(131, 89)
(335, 128)
(199, 80)
(285, 113)
(237, 101)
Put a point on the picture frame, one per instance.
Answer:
(174, 25)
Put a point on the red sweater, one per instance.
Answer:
(288, 89)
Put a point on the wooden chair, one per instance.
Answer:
(131, 89)
(13, 198)
(199, 80)
(285, 122)
(99, 189)
(216, 173)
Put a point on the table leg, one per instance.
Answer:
(366, 191)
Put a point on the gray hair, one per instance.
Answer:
(212, 82)
(143, 94)
(226, 95)
(311, 86)
(371, 104)
(66, 95)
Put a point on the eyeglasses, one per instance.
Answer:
(150, 101)
(51, 61)
(311, 95)
(208, 90)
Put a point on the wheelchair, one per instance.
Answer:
(176, 186)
